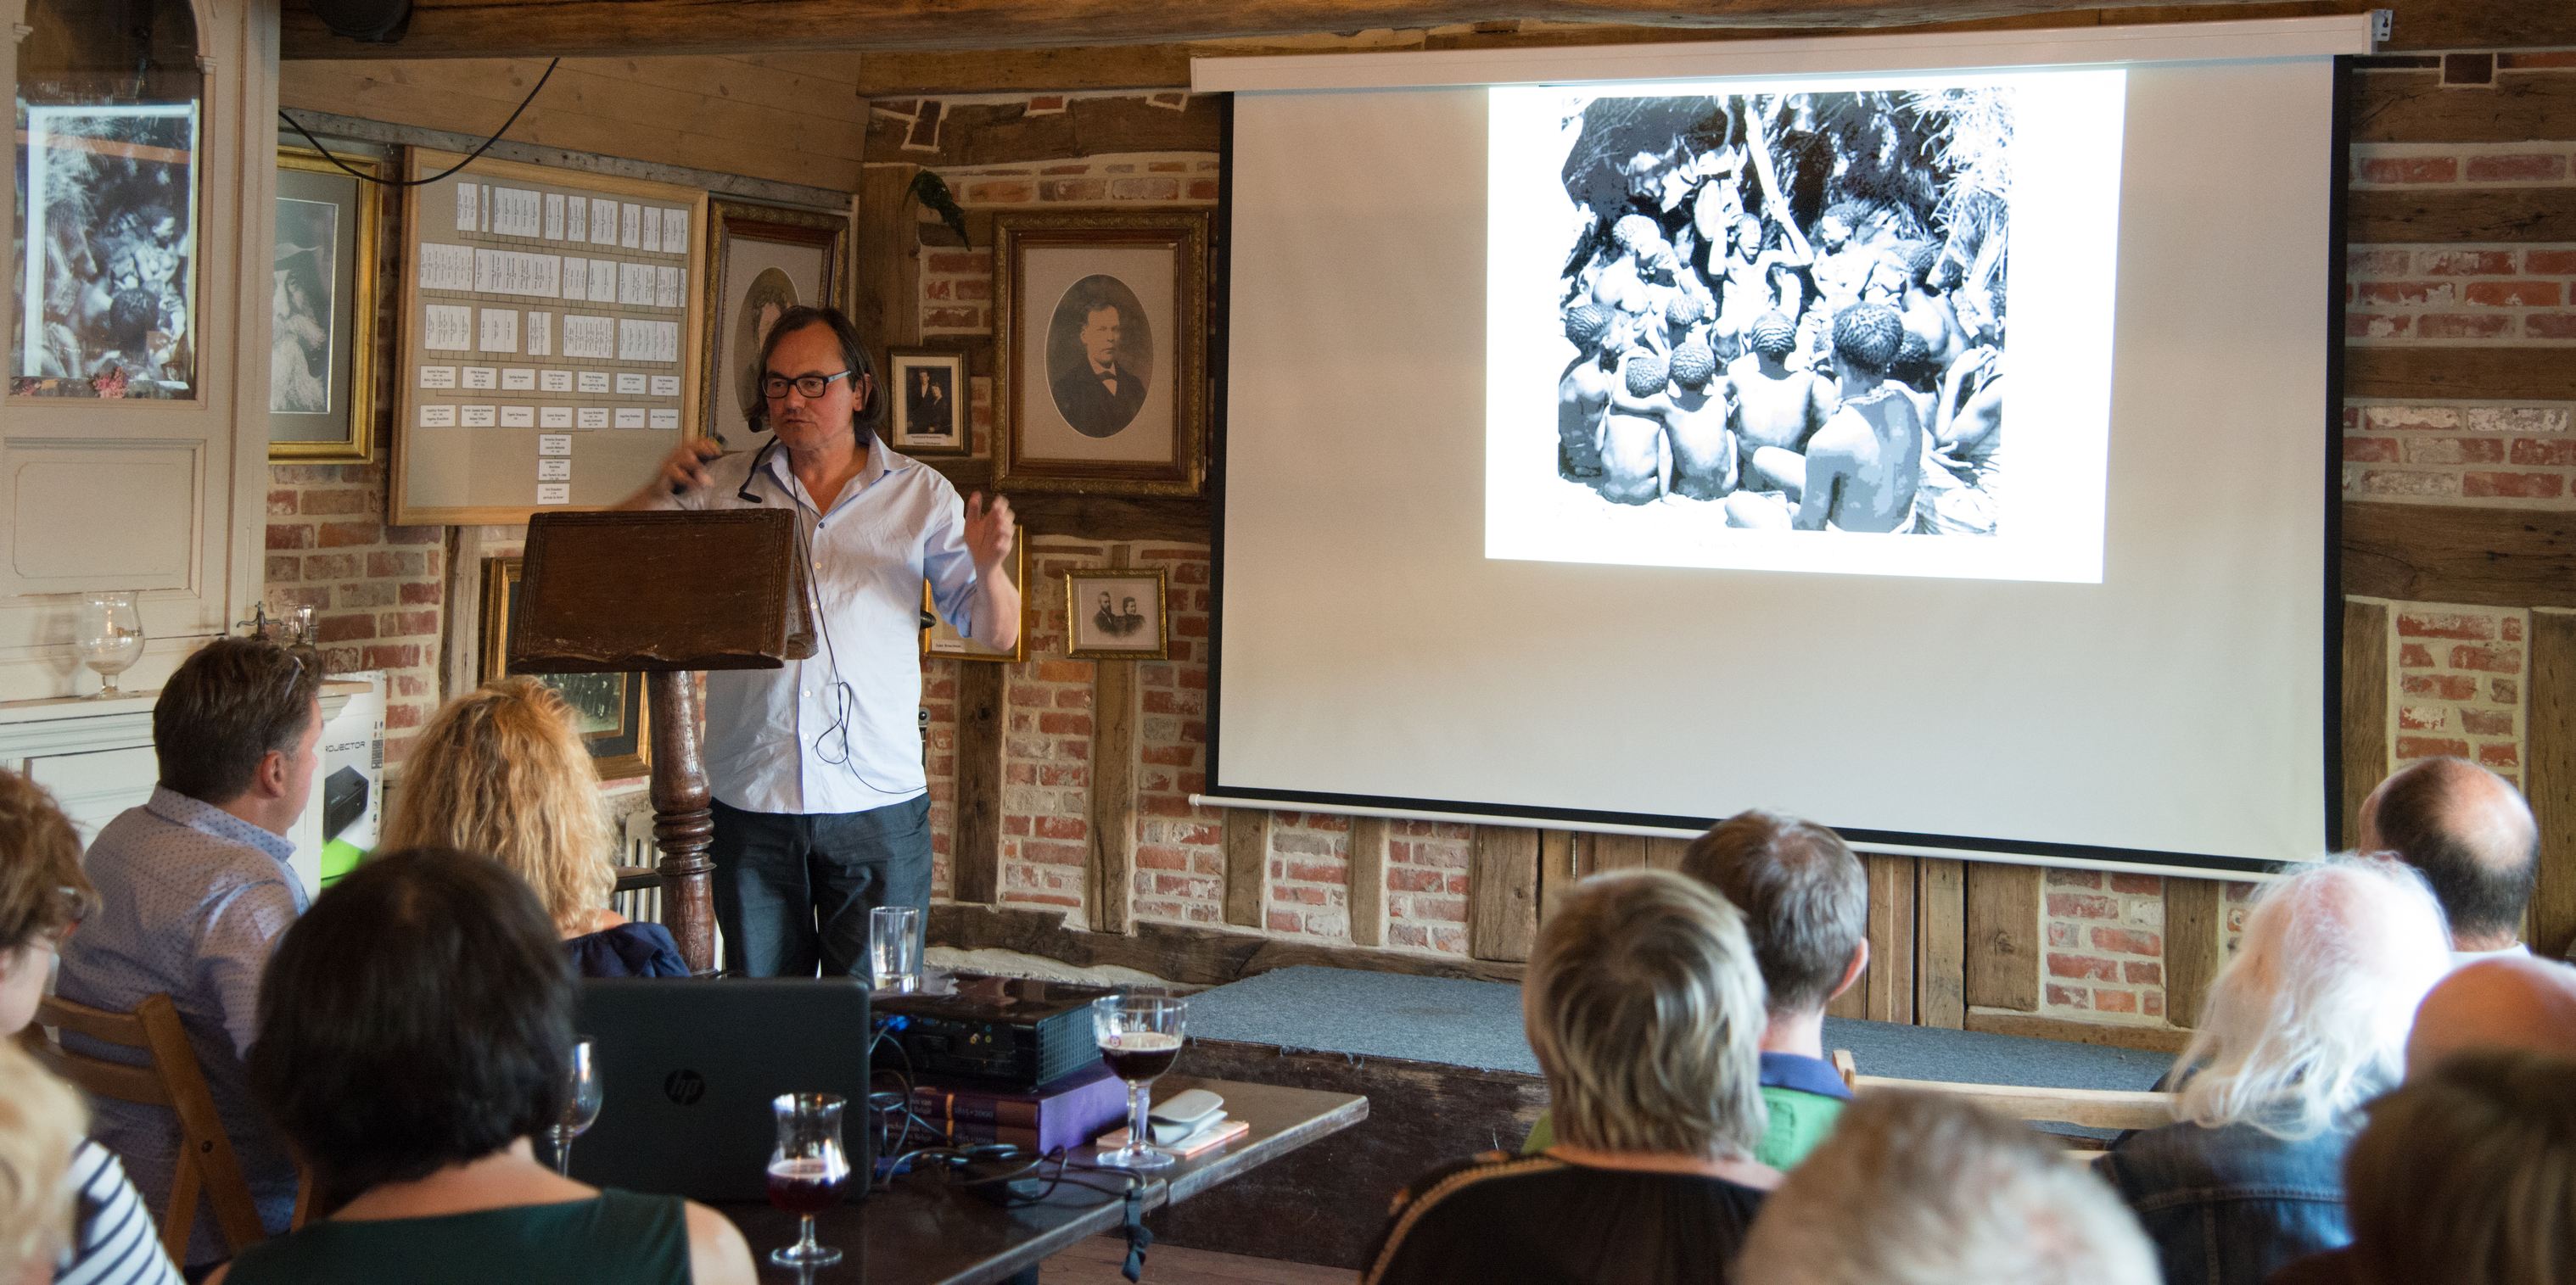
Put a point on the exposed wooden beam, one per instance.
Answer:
(2192, 933)
(2415, 107)
(1247, 864)
(2364, 722)
(609, 28)
(1941, 943)
(2429, 370)
(1109, 891)
(1190, 955)
(1502, 893)
(2549, 778)
(2003, 936)
(1368, 881)
(2435, 553)
(975, 872)
(2386, 214)
(1888, 987)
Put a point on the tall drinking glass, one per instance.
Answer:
(894, 948)
(807, 1170)
(1140, 1038)
(109, 636)
(581, 1103)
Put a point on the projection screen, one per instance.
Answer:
(1930, 436)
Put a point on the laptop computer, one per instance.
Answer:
(688, 1070)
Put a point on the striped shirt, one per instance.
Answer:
(117, 1244)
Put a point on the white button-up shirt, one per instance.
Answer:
(772, 741)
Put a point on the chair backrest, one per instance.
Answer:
(2086, 1108)
(169, 1078)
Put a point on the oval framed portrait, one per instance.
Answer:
(1100, 355)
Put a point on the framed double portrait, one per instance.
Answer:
(1100, 375)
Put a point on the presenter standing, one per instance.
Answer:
(821, 807)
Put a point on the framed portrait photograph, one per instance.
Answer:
(608, 709)
(938, 638)
(1099, 380)
(322, 309)
(761, 261)
(1116, 613)
(926, 396)
(108, 252)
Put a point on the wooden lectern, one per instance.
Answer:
(668, 594)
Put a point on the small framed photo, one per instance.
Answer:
(939, 639)
(608, 709)
(926, 395)
(1116, 613)
(1101, 352)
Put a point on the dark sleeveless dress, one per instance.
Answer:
(617, 1238)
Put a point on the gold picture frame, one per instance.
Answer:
(937, 639)
(917, 381)
(305, 178)
(1139, 426)
(752, 250)
(622, 749)
(1114, 629)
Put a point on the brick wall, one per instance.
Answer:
(377, 591)
(2105, 946)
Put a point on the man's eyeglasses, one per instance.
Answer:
(776, 386)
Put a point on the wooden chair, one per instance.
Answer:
(170, 1078)
(2085, 1108)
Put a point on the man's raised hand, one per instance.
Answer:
(988, 531)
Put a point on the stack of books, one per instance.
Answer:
(1066, 1113)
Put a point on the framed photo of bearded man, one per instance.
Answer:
(1099, 385)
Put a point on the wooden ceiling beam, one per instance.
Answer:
(623, 28)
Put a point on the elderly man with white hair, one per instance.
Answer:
(2303, 1026)
(1921, 1188)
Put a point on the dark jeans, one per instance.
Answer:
(793, 890)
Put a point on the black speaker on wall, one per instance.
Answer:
(375, 21)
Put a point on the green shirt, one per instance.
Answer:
(616, 1238)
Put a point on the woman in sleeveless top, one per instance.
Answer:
(419, 1132)
(502, 770)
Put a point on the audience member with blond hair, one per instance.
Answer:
(43, 895)
(1920, 1188)
(2307, 1022)
(40, 1126)
(1645, 1008)
(2466, 1176)
(501, 770)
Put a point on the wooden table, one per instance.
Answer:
(922, 1230)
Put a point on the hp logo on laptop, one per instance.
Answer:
(684, 1087)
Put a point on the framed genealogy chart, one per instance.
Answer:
(550, 354)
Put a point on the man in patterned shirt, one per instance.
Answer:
(194, 893)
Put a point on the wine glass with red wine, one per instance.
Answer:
(1140, 1038)
(807, 1170)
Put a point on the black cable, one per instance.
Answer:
(354, 172)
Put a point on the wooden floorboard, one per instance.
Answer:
(1096, 1261)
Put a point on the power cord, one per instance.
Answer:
(362, 176)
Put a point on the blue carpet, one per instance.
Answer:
(1478, 1025)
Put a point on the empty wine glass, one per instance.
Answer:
(581, 1104)
(109, 634)
(1140, 1037)
(807, 1170)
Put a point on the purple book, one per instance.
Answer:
(1068, 1113)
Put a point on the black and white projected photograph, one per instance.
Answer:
(1745, 325)
(109, 267)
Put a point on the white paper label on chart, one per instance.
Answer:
(666, 286)
(518, 417)
(448, 327)
(603, 222)
(630, 417)
(653, 227)
(438, 377)
(594, 381)
(437, 416)
(666, 385)
(541, 334)
(577, 219)
(518, 380)
(630, 227)
(446, 267)
(500, 330)
(589, 337)
(594, 417)
(479, 416)
(516, 211)
(554, 492)
(554, 216)
(554, 381)
(469, 208)
(554, 443)
(634, 285)
(482, 377)
(536, 276)
(603, 280)
(554, 470)
(664, 417)
(675, 231)
(629, 385)
(576, 279)
(552, 417)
